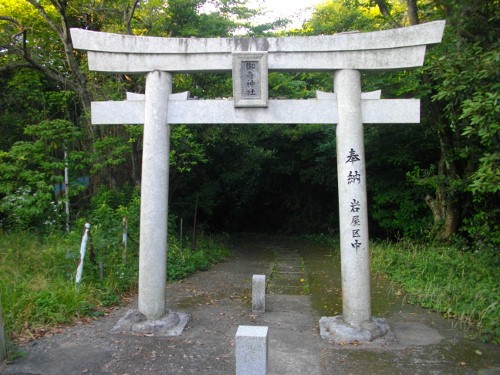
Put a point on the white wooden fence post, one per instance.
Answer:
(66, 190)
(124, 239)
(83, 248)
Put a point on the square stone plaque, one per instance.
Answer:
(250, 79)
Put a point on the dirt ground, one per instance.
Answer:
(220, 300)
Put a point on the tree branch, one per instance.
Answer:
(14, 66)
(384, 9)
(22, 31)
(130, 15)
(12, 20)
(75, 81)
(45, 16)
(63, 33)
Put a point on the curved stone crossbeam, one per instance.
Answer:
(378, 50)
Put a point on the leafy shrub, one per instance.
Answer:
(30, 170)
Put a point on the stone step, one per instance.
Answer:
(285, 290)
(287, 269)
(288, 277)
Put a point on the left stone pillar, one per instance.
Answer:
(154, 197)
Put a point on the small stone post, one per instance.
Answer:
(3, 344)
(251, 350)
(353, 209)
(259, 293)
(154, 197)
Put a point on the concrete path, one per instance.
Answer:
(220, 301)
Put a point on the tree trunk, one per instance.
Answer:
(452, 220)
(412, 12)
(445, 208)
(384, 9)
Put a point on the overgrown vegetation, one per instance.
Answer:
(461, 284)
(37, 274)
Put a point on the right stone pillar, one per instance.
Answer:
(353, 208)
(356, 322)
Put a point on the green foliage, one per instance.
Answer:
(46, 46)
(482, 113)
(298, 85)
(460, 284)
(29, 171)
(237, 175)
(108, 210)
(337, 16)
(397, 207)
(462, 77)
(109, 152)
(188, 18)
(263, 177)
(484, 228)
(206, 86)
(186, 151)
(27, 98)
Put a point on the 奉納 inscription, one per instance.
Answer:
(355, 205)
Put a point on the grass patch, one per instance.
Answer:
(463, 285)
(37, 279)
(36, 286)
(184, 261)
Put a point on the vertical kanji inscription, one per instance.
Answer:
(354, 177)
(250, 79)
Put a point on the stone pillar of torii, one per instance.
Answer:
(250, 60)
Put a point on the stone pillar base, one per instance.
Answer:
(172, 324)
(335, 330)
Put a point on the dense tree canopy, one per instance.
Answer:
(438, 179)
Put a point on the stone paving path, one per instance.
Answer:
(288, 275)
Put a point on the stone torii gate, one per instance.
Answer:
(250, 60)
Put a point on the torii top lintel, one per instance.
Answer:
(379, 50)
